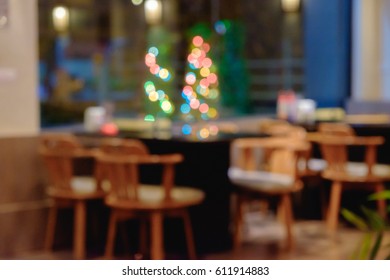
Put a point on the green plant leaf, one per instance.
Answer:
(379, 195)
(375, 221)
(365, 247)
(354, 219)
(377, 245)
(356, 251)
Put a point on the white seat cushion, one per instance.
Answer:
(260, 180)
(360, 169)
(314, 164)
(82, 184)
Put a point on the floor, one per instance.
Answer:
(264, 240)
(312, 242)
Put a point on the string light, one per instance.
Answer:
(150, 88)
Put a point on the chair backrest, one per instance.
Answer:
(335, 148)
(122, 172)
(117, 146)
(57, 151)
(335, 155)
(274, 127)
(280, 128)
(281, 154)
(336, 129)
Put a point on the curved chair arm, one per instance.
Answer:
(272, 143)
(370, 142)
(348, 140)
(132, 162)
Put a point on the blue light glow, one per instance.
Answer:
(185, 108)
(186, 129)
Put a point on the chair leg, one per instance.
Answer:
(280, 211)
(334, 206)
(238, 223)
(324, 204)
(286, 209)
(156, 233)
(51, 228)
(79, 231)
(381, 203)
(121, 227)
(109, 250)
(189, 235)
(143, 236)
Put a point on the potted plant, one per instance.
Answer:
(374, 227)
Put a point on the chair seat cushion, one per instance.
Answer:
(260, 180)
(358, 172)
(360, 169)
(81, 187)
(313, 164)
(83, 184)
(151, 197)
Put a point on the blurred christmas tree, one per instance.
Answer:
(200, 93)
(159, 88)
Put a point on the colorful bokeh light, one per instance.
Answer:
(203, 108)
(197, 41)
(186, 129)
(197, 92)
(150, 88)
(185, 108)
(149, 118)
(204, 133)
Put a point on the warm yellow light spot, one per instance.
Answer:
(153, 96)
(204, 72)
(196, 52)
(212, 113)
(204, 133)
(164, 73)
(166, 106)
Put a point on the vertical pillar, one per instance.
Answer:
(19, 107)
(385, 60)
(366, 50)
(327, 56)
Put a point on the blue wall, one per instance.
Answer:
(327, 51)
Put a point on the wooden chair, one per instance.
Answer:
(274, 126)
(336, 128)
(307, 166)
(344, 173)
(66, 189)
(257, 179)
(129, 198)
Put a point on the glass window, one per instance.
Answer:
(94, 52)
